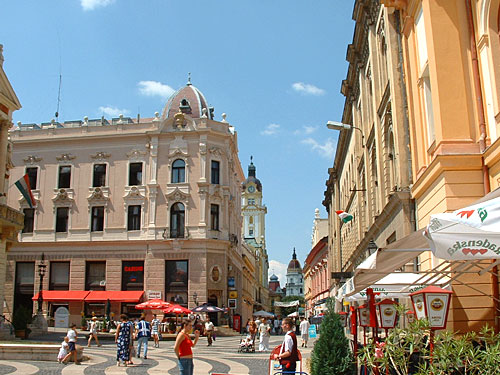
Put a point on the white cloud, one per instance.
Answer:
(307, 89)
(154, 88)
(92, 4)
(113, 111)
(326, 149)
(279, 269)
(306, 130)
(271, 129)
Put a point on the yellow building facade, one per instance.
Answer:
(452, 69)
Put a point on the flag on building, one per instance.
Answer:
(344, 216)
(23, 184)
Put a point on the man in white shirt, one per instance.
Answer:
(72, 336)
(288, 355)
(304, 331)
(209, 331)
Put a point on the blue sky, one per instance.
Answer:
(275, 67)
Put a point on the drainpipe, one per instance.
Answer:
(482, 147)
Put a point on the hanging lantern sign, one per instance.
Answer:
(364, 315)
(387, 313)
(343, 318)
(432, 303)
(410, 316)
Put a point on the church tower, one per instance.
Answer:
(294, 278)
(253, 210)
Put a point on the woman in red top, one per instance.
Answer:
(183, 345)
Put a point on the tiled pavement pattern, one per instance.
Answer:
(222, 357)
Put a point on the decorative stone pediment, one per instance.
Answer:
(100, 156)
(63, 198)
(136, 154)
(177, 195)
(178, 147)
(64, 158)
(32, 159)
(215, 151)
(135, 192)
(98, 195)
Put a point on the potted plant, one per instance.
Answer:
(20, 321)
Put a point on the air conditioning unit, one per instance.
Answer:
(102, 283)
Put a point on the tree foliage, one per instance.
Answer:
(331, 353)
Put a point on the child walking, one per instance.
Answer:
(64, 350)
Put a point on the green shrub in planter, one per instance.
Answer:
(331, 353)
(22, 317)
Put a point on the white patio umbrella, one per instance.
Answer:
(471, 233)
(293, 315)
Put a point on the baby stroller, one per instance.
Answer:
(247, 344)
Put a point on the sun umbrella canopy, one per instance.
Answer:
(152, 304)
(263, 314)
(470, 233)
(206, 308)
(176, 309)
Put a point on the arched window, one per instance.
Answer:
(178, 171)
(177, 221)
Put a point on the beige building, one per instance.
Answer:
(148, 207)
(11, 220)
(370, 177)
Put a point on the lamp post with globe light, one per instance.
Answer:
(42, 268)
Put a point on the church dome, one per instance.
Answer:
(273, 277)
(252, 177)
(294, 265)
(188, 100)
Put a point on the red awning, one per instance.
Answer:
(62, 295)
(114, 296)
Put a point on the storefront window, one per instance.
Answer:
(176, 274)
(133, 275)
(23, 291)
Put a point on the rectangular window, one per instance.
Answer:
(135, 174)
(134, 218)
(95, 276)
(64, 177)
(29, 220)
(24, 286)
(133, 275)
(97, 220)
(62, 214)
(214, 216)
(99, 176)
(59, 276)
(176, 277)
(32, 173)
(215, 172)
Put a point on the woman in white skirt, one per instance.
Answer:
(264, 335)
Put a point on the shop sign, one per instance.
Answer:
(233, 294)
(230, 282)
(312, 331)
(436, 309)
(231, 303)
(154, 294)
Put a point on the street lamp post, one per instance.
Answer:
(335, 125)
(42, 268)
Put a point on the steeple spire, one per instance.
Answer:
(189, 79)
(294, 256)
(251, 168)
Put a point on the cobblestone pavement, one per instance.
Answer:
(222, 357)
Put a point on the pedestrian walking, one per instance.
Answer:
(304, 331)
(72, 336)
(142, 333)
(276, 323)
(93, 332)
(288, 355)
(264, 335)
(123, 339)
(155, 330)
(183, 347)
(63, 350)
(209, 331)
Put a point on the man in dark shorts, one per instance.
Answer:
(72, 336)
